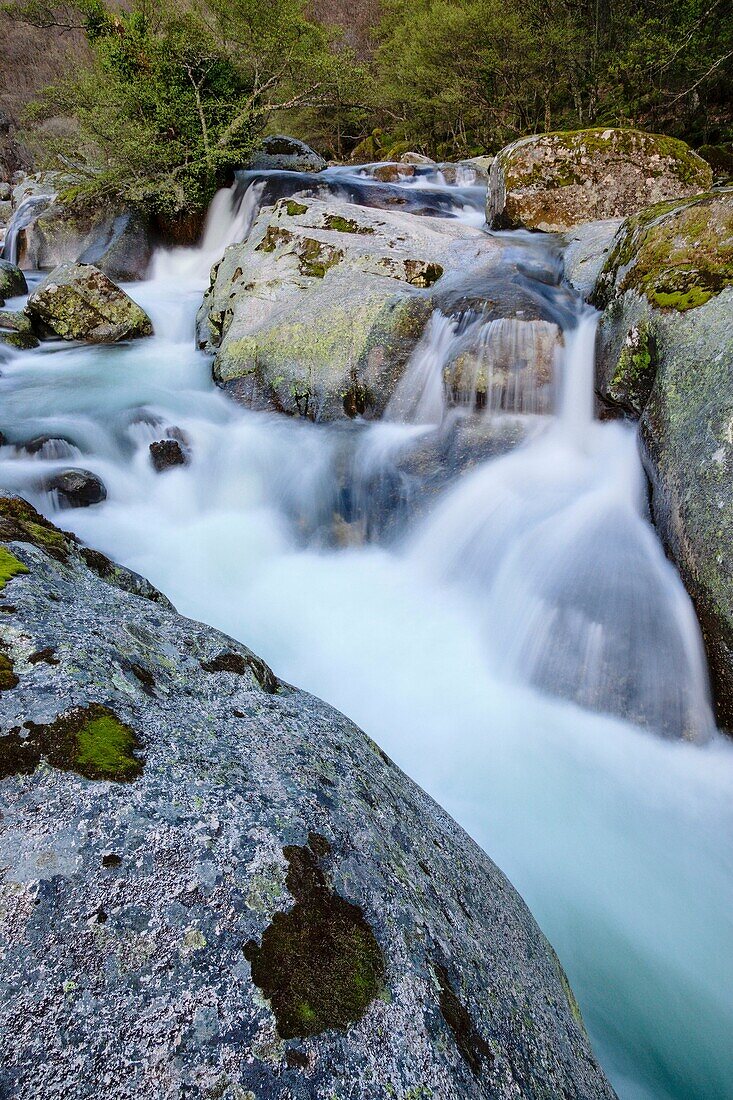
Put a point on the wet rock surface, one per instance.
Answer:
(78, 302)
(76, 488)
(215, 885)
(167, 453)
(665, 349)
(555, 181)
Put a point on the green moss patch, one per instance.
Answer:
(295, 209)
(90, 741)
(345, 225)
(10, 567)
(635, 371)
(678, 255)
(319, 964)
(20, 522)
(316, 257)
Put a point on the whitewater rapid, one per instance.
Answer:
(488, 640)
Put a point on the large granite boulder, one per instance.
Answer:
(214, 885)
(665, 354)
(79, 302)
(286, 154)
(555, 181)
(117, 241)
(317, 312)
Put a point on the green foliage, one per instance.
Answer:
(466, 76)
(177, 96)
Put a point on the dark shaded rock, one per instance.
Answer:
(256, 819)
(77, 488)
(49, 446)
(12, 280)
(286, 154)
(118, 242)
(79, 302)
(166, 453)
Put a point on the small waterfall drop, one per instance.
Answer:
(228, 221)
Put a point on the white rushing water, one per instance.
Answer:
(490, 639)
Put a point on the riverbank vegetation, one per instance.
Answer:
(160, 100)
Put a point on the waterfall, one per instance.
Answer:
(229, 220)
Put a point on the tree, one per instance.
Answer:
(177, 96)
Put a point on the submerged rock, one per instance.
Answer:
(665, 350)
(79, 302)
(318, 311)
(555, 181)
(214, 884)
(76, 488)
(286, 154)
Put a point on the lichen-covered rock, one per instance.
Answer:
(79, 302)
(555, 181)
(677, 255)
(317, 312)
(665, 354)
(12, 280)
(16, 330)
(286, 154)
(213, 884)
(117, 241)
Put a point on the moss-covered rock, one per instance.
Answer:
(232, 889)
(79, 302)
(12, 281)
(90, 741)
(557, 180)
(118, 241)
(665, 354)
(677, 255)
(16, 330)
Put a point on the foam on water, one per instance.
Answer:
(491, 648)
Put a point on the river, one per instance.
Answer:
(506, 627)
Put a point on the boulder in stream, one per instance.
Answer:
(78, 302)
(215, 885)
(665, 355)
(317, 312)
(12, 281)
(76, 488)
(558, 180)
(117, 241)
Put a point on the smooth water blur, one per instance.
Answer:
(489, 639)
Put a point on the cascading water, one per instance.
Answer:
(511, 636)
